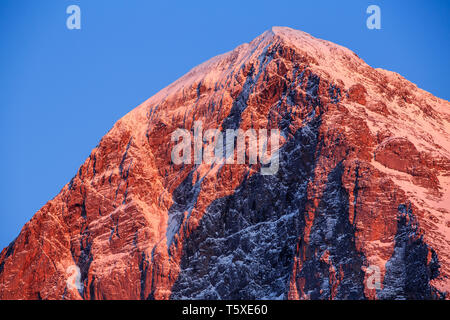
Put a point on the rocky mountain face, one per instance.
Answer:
(362, 191)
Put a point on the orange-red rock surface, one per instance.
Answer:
(363, 183)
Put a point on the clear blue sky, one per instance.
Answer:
(62, 90)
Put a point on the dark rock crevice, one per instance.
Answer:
(245, 243)
(333, 268)
(412, 265)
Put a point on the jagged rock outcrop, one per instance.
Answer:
(363, 184)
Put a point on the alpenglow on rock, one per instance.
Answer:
(362, 191)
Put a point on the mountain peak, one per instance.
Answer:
(361, 191)
(327, 58)
(287, 31)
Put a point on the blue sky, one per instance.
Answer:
(61, 90)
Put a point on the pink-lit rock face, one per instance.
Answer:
(363, 184)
